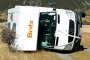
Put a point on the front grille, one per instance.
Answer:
(70, 39)
(71, 30)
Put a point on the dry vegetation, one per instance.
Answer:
(6, 54)
(3, 15)
(86, 19)
(84, 55)
(86, 39)
(81, 55)
(86, 35)
(86, 29)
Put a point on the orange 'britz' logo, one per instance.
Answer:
(29, 34)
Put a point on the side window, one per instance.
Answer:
(58, 19)
(14, 27)
(11, 17)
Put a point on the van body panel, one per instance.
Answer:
(26, 28)
(63, 32)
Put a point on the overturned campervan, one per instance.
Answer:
(42, 27)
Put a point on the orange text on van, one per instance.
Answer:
(29, 34)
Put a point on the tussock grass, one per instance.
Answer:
(6, 54)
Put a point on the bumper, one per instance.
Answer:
(67, 47)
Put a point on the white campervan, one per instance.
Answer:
(42, 27)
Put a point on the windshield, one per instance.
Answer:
(47, 19)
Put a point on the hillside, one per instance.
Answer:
(77, 5)
(66, 4)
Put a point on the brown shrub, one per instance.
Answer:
(8, 36)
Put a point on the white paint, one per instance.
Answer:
(22, 15)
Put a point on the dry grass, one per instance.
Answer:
(87, 18)
(3, 15)
(86, 28)
(83, 55)
(86, 35)
(86, 39)
(5, 54)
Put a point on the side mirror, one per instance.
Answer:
(83, 14)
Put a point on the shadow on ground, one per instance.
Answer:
(82, 48)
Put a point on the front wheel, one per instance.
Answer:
(76, 45)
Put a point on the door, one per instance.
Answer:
(47, 27)
(62, 28)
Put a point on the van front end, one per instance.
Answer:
(69, 35)
(75, 38)
(78, 31)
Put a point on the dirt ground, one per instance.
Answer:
(86, 28)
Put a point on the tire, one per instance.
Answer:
(76, 45)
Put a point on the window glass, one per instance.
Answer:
(71, 27)
(14, 27)
(11, 17)
(58, 19)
